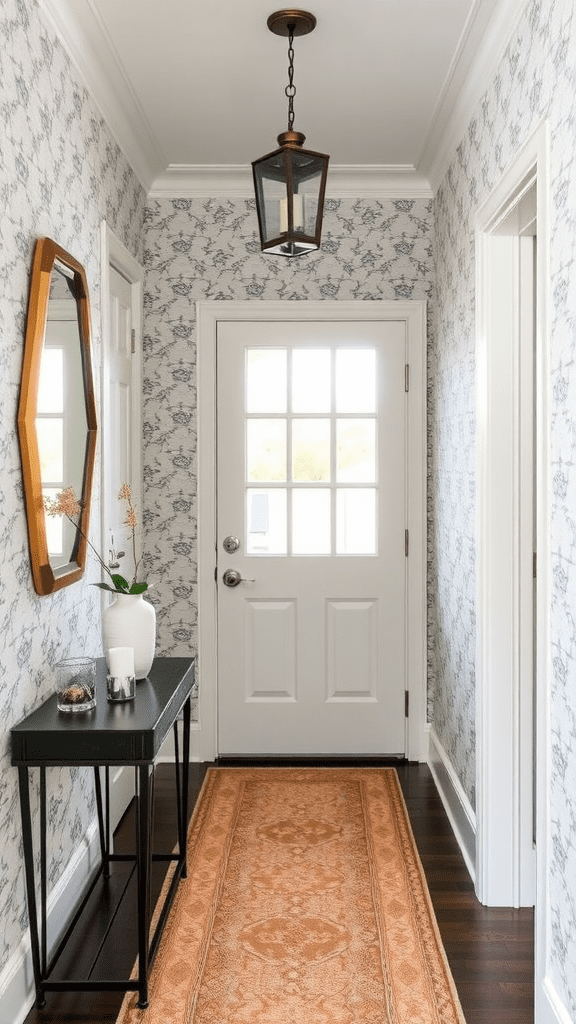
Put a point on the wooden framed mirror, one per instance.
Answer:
(57, 414)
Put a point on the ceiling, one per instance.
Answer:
(194, 89)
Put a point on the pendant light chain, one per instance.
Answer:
(290, 89)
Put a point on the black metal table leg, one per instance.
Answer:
(178, 781)
(185, 785)
(30, 886)
(104, 848)
(43, 878)
(143, 858)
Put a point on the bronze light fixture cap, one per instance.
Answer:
(292, 139)
(290, 20)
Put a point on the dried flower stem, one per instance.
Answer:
(132, 522)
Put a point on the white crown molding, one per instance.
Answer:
(345, 181)
(484, 40)
(86, 41)
(486, 34)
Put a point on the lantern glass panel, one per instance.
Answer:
(270, 178)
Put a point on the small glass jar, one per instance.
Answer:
(76, 684)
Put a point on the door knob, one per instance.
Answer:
(232, 578)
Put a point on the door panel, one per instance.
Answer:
(352, 650)
(270, 670)
(311, 479)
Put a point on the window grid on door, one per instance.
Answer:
(311, 451)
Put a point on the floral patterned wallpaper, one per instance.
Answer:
(208, 249)
(61, 173)
(536, 80)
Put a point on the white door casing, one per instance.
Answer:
(507, 443)
(413, 315)
(120, 425)
(312, 647)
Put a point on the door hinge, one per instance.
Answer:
(216, 574)
(406, 543)
(534, 565)
(407, 377)
(406, 703)
(133, 337)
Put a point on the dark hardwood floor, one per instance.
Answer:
(490, 951)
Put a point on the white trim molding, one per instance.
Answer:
(486, 36)
(549, 1008)
(234, 181)
(17, 990)
(504, 772)
(208, 316)
(456, 804)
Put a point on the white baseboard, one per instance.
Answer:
(17, 993)
(549, 1007)
(456, 804)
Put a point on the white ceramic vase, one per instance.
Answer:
(130, 621)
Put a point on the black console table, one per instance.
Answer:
(110, 734)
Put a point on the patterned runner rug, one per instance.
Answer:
(305, 903)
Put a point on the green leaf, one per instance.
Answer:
(120, 583)
(104, 586)
(138, 588)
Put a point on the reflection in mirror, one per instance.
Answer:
(56, 419)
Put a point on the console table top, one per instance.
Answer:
(126, 733)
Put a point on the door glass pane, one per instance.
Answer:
(266, 519)
(356, 521)
(266, 380)
(356, 456)
(266, 450)
(356, 380)
(310, 450)
(311, 387)
(311, 521)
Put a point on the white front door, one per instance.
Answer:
(312, 483)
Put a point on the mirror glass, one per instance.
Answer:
(57, 422)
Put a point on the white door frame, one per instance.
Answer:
(414, 315)
(113, 253)
(503, 775)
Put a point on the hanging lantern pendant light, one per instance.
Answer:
(290, 182)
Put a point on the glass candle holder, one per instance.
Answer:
(120, 679)
(120, 688)
(76, 684)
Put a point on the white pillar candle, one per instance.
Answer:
(297, 211)
(121, 661)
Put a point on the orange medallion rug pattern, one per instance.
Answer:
(305, 903)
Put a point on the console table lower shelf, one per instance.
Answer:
(129, 734)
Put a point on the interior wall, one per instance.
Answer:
(60, 174)
(536, 80)
(208, 249)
